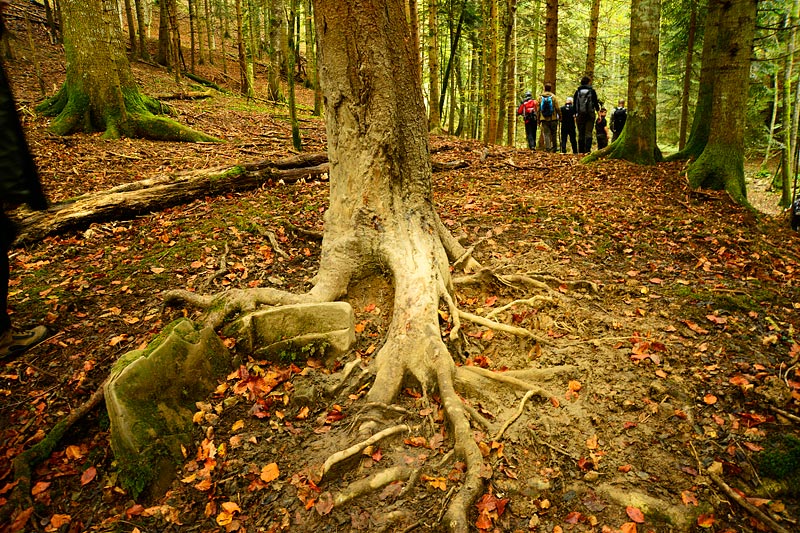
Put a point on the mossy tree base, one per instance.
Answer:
(719, 167)
(635, 144)
(136, 117)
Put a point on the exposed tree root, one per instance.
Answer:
(497, 436)
(535, 302)
(365, 486)
(462, 375)
(357, 448)
(27, 460)
(505, 328)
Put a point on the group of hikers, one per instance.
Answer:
(581, 118)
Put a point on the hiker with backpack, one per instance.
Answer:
(618, 118)
(586, 104)
(549, 116)
(528, 109)
(567, 113)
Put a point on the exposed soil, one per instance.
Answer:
(672, 331)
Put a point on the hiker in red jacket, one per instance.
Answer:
(528, 109)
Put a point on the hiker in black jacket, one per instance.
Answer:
(618, 118)
(568, 126)
(586, 105)
(19, 183)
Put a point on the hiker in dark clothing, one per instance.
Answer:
(601, 129)
(568, 126)
(549, 116)
(19, 183)
(528, 109)
(618, 118)
(586, 105)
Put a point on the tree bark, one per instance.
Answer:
(721, 165)
(591, 45)
(550, 44)
(131, 27)
(687, 77)
(381, 206)
(701, 125)
(435, 117)
(511, 68)
(637, 143)
(100, 93)
(789, 105)
(143, 52)
(490, 85)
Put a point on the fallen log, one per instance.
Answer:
(129, 200)
(132, 199)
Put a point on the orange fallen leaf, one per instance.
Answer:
(625, 468)
(591, 442)
(88, 475)
(689, 497)
(628, 527)
(710, 399)
(705, 520)
(40, 487)
(635, 514)
(270, 472)
(58, 520)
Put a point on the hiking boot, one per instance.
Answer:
(13, 343)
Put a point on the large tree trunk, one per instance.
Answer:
(381, 206)
(721, 165)
(591, 45)
(100, 93)
(637, 143)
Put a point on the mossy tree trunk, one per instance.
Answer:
(100, 93)
(701, 123)
(721, 165)
(637, 143)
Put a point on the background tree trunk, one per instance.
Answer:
(687, 77)
(511, 68)
(591, 45)
(789, 105)
(143, 52)
(637, 143)
(721, 165)
(550, 44)
(435, 118)
(701, 125)
(490, 83)
(131, 27)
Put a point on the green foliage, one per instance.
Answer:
(293, 354)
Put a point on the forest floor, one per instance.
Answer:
(675, 319)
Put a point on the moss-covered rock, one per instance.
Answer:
(296, 331)
(150, 399)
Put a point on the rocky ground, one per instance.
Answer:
(666, 337)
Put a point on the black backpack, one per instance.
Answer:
(583, 101)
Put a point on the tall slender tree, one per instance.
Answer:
(550, 44)
(591, 44)
(687, 75)
(434, 111)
